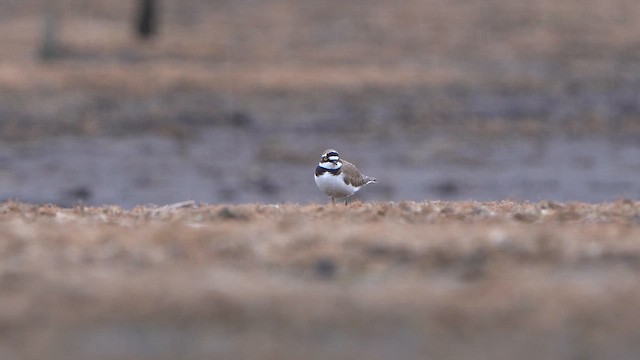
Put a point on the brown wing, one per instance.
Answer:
(352, 175)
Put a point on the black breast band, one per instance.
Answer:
(320, 170)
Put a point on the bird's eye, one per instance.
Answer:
(325, 159)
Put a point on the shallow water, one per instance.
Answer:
(236, 166)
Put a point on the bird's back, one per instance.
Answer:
(353, 176)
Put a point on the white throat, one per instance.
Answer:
(329, 165)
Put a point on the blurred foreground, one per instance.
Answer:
(447, 280)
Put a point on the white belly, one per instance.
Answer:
(334, 186)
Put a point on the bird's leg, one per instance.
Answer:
(345, 201)
(333, 201)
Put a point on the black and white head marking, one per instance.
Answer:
(330, 161)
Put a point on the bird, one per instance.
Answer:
(339, 178)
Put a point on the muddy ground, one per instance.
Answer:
(447, 280)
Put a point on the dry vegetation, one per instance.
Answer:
(372, 280)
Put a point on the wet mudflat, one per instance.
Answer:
(239, 166)
(372, 280)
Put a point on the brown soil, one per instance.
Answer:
(498, 66)
(450, 280)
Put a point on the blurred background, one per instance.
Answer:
(133, 102)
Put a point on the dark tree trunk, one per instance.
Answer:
(49, 46)
(147, 21)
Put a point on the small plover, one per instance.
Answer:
(339, 178)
